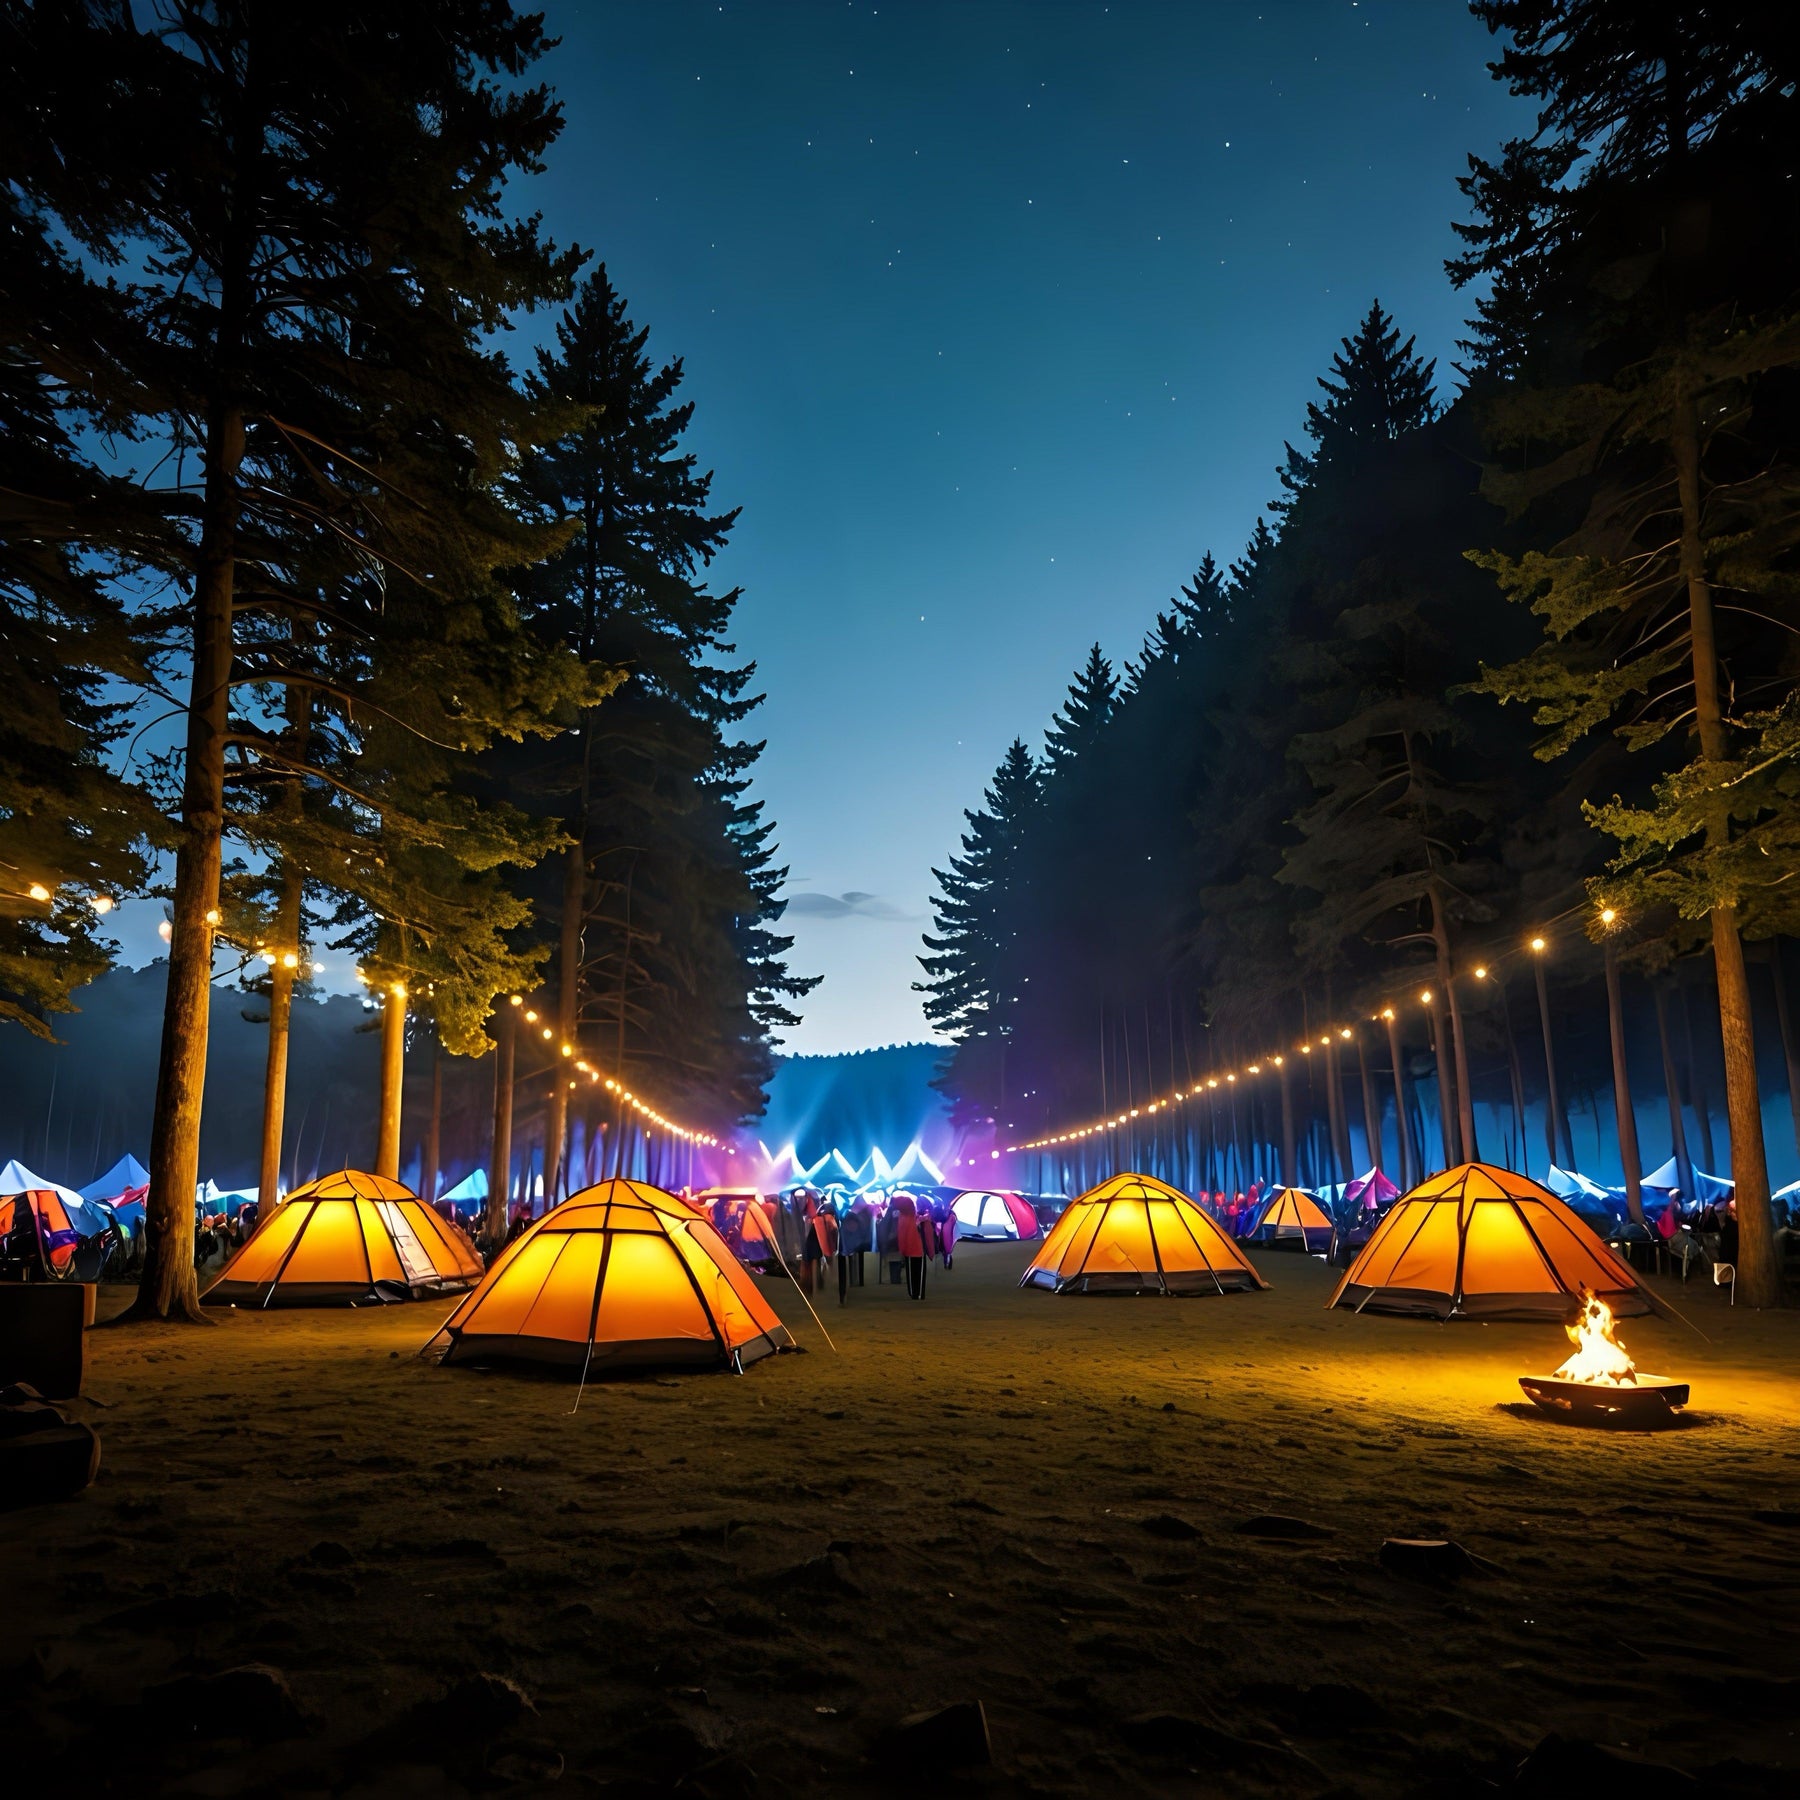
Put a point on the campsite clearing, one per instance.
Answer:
(1145, 1533)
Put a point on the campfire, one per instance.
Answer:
(1600, 1384)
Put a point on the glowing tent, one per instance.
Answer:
(1291, 1219)
(621, 1275)
(984, 1216)
(348, 1239)
(1478, 1242)
(1137, 1235)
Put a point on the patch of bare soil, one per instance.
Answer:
(1144, 1534)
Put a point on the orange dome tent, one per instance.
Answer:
(1478, 1242)
(348, 1239)
(620, 1275)
(1137, 1235)
(1291, 1219)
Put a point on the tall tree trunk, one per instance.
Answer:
(1466, 1147)
(1556, 1122)
(1517, 1075)
(1409, 1164)
(568, 972)
(1623, 1111)
(1759, 1269)
(1446, 1080)
(275, 1070)
(1784, 1018)
(1371, 1112)
(1290, 1168)
(393, 1077)
(1672, 1087)
(168, 1288)
(428, 1176)
(500, 1169)
(1336, 1125)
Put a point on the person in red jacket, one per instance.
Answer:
(910, 1242)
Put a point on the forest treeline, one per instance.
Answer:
(1510, 662)
(314, 599)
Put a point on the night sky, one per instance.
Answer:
(995, 318)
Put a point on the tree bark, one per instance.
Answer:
(393, 1076)
(168, 1288)
(500, 1169)
(1759, 1270)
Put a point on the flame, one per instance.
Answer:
(1599, 1356)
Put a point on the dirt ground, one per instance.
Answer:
(716, 1585)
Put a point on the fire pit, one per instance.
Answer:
(1599, 1384)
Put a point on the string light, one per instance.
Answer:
(1607, 915)
(1537, 944)
(102, 903)
(38, 891)
(645, 1110)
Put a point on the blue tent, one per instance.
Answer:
(1707, 1187)
(1601, 1207)
(127, 1173)
(470, 1194)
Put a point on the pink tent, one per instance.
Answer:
(1369, 1192)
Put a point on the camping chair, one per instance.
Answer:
(1725, 1275)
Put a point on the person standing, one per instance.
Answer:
(910, 1242)
(928, 1242)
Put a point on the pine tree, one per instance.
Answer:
(972, 975)
(313, 201)
(71, 830)
(669, 973)
(1082, 716)
(1664, 419)
(1381, 392)
(1252, 572)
